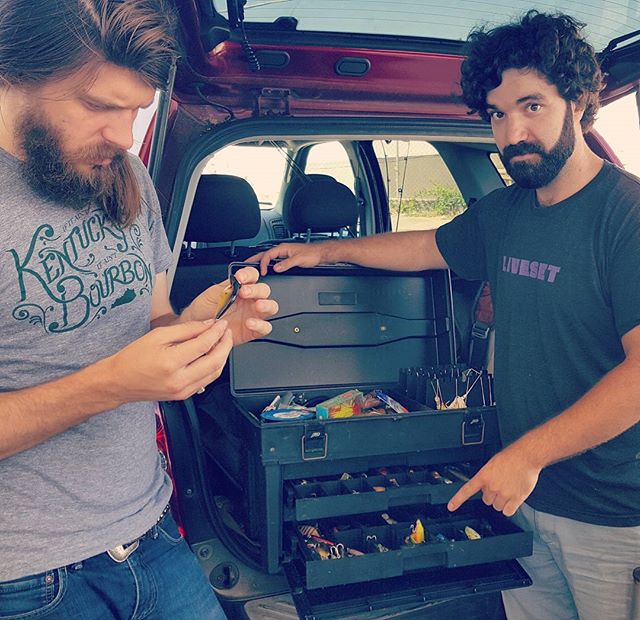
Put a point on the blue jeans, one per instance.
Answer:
(161, 580)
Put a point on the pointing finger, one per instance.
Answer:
(469, 489)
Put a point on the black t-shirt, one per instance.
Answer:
(565, 283)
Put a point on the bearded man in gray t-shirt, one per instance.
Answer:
(89, 339)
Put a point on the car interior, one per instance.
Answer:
(229, 221)
(315, 188)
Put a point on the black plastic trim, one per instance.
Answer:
(273, 59)
(350, 66)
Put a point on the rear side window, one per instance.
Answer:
(331, 158)
(263, 167)
(422, 193)
(497, 162)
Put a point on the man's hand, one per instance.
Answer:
(170, 363)
(295, 255)
(505, 481)
(247, 316)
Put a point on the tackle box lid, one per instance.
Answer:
(340, 326)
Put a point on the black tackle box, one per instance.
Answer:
(363, 482)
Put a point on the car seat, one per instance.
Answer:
(225, 209)
(320, 205)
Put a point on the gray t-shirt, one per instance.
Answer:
(75, 288)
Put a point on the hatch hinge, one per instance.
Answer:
(273, 102)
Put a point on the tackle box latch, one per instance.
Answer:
(472, 429)
(314, 442)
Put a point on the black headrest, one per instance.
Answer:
(322, 205)
(297, 181)
(225, 208)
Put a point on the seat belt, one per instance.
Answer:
(482, 324)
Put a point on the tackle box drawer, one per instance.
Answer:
(418, 431)
(374, 491)
(446, 545)
(420, 588)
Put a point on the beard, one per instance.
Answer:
(535, 175)
(51, 172)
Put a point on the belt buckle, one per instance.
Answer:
(122, 552)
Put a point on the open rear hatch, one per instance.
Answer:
(320, 56)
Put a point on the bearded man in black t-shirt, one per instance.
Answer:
(561, 250)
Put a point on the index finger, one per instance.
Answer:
(254, 258)
(247, 275)
(466, 491)
(266, 259)
(190, 350)
(267, 256)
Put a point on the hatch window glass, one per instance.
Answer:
(422, 193)
(605, 19)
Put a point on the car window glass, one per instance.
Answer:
(141, 124)
(332, 159)
(263, 167)
(617, 123)
(422, 193)
(497, 162)
(605, 19)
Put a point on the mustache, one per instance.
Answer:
(99, 153)
(522, 148)
(53, 174)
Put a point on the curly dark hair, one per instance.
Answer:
(553, 45)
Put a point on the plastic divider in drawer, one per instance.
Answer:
(372, 491)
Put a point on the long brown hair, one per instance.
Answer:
(44, 40)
